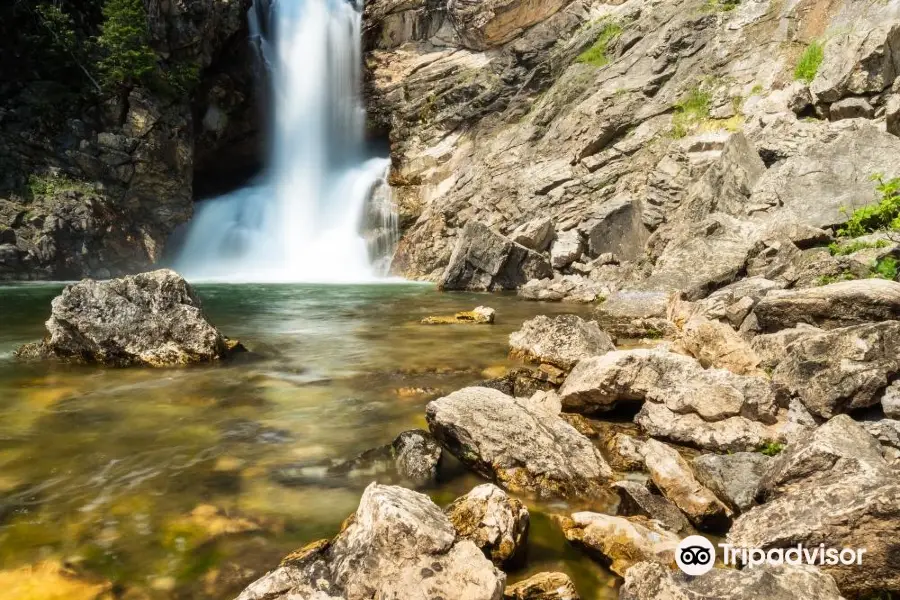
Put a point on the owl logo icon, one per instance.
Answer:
(695, 555)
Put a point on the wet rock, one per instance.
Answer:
(624, 453)
(560, 341)
(484, 260)
(417, 455)
(496, 523)
(535, 235)
(253, 432)
(522, 449)
(397, 545)
(543, 586)
(621, 542)
(733, 478)
(833, 488)
(51, 579)
(480, 315)
(636, 500)
(843, 369)
(675, 479)
(652, 581)
(152, 319)
(830, 306)
(851, 108)
(522, 383)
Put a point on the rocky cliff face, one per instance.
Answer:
(681, 136)
(98, 191)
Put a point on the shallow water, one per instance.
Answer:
(101, 468)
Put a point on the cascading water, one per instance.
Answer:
(304, 220)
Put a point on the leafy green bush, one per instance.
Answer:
(809, 62)
(40, 186)
(886, 268)
(125, 34)
(842, 249)
(690, 110)
(772, 448)
(876, 217)
(596, 55)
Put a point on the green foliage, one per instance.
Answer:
(597, 55)
(179, 79)
(829, 279)
(886, 268)
(41, 186)
(771, 448)
(809, 62)
(885, 215)
(722, 5)
(692, 109)
(842, 249)
(128, 58)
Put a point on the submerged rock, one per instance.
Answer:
(151, 319)
(561, 341)
(481, 315)
(543, 586)
(523, 449)
(492, 520)
(398, 544)
(51, 580)
(652, 581)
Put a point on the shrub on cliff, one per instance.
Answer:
(128, 58)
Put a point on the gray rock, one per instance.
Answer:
(152, 319)
(892, 114)
(619, 541)
(652, 581)
(636, 500)
(561, 341)
(566, 249)
(843, 369)
(734, 478)
(770, 348)
(535, 235)
(673, 476)
(397, 545)
(484, 260)
(417, 455)
(522, 449)
(890, 401)
(887, 432)
(493, 521)
(543, 586)
(624, 453)
(851, 108)
(830, 306)
(616, 227)
(563, 288)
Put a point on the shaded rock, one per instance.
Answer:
(535, 235)
(398, 544)
(523, 382)
(496, 523)
(675, 479)
(851, 108)
(543, 586)
(621, 542)
(417, 456)
(484, 260)
(624, 453)
(481, 315)
(843, 369)
(830, 306)
(561, 341)
(892, 114)
(734, 478)
(636, 500)
(616, 227)
(652, 581)
(523, 450)
(566, 249)
(151, 319)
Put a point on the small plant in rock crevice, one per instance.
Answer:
(884, 215)
(808, 65)
(598, 54)
(772, 448)
(691, 110)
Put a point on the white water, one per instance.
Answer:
(302, 222)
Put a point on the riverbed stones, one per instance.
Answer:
(416, 455)
(653, 581)
(480, 315)
(152, 319)
(733, 478)
(543, 586)
(496, 523)
(621, 542)
(830, 306)
(843, 369)
(484, 260)
(522, 449)
(559, 341)
(636, 500)
(398, 544)
(675, 479)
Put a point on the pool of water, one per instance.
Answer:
(103, 470)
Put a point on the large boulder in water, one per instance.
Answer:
(151, 319)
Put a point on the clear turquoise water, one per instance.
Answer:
(100, 468)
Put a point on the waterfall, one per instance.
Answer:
(307, 218)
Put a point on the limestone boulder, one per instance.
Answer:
(535, 235)
(152, 319)
(734, 478)
(493, 521)
(560, 341)
(636, 500)
(543, 586)
(398, 544)
(566, 249)
(717, 344)
(522, 449)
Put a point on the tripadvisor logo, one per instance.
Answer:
(696, 555)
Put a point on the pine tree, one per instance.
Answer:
(128, 58)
